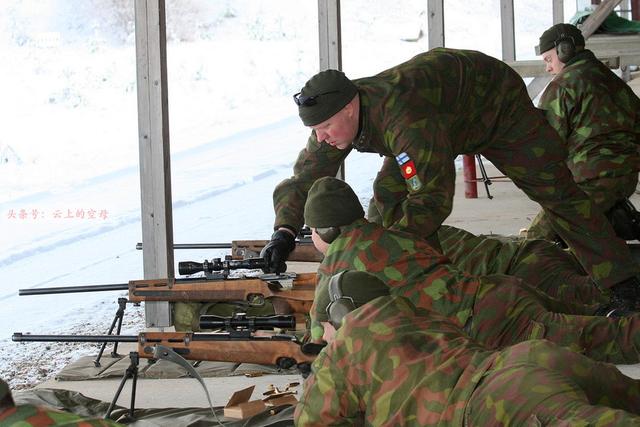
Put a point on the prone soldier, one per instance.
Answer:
(496, 310)
(390, 363)
(38, 416)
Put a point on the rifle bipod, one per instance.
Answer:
(160, 352)
(130, 372)
(117, 320)
(485, 178)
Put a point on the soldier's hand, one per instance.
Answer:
(277, 251)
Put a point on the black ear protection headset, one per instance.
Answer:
(340, 305)
(565, 47)
(328, 234)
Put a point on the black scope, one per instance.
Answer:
(242, 322)
(216, 264)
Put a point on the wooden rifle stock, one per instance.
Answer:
(304, 251)
(283, 351)
(297, 299)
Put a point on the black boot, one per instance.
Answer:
(626, 294)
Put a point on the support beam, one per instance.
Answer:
(330, 36)
(435, 23)
(507, 23)
(598, 16)
(558, 11)
(153, 136)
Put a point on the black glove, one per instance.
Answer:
(277, 251)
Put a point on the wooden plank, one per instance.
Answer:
(507, 24)
(620, 42)
(597, 17)
(536, 67)
(153, 135)
(435, 23)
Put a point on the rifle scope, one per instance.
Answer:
(242, 322)
(192, 267)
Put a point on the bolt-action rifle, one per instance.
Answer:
(288, 292)
(238, 343)
(242, 249)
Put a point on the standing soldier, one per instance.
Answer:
(420, 115)
(390, 363)
(597, 116)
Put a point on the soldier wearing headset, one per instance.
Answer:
(598, 118)
(390, 363)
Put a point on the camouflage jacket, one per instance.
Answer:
(597, 115)
(393, 365)
(424, 112)
(36, 416)
(411, 268)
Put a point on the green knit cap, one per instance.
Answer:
(558, 32)
(361, 286)
(331, 203)
(4, 389)
(324, 95)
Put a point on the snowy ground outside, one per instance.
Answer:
(70, 199)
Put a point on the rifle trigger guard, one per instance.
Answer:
(255, 300)
(279, 282)
(282, 285)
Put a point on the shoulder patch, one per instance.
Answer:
(408, 171)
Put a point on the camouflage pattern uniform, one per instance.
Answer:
(36, 416)
(496, 310)
(447, 102)
(391, 364)
(539, 263)
(598, 117)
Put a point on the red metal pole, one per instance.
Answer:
(635, 10)
(469, 173)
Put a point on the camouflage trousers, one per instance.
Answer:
(507, 311)
(539, 263)
(538, 383)
(30, 415)
(572, 213)
(605, 192)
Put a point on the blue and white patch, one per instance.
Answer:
(402, 158)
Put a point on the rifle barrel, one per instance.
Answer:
(74, 289)
(195, 246)
(20, 337)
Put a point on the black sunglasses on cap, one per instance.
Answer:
(308, 101)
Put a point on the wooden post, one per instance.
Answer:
(330, 39)
(153, 139)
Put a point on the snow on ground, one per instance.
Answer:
(70, 199)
